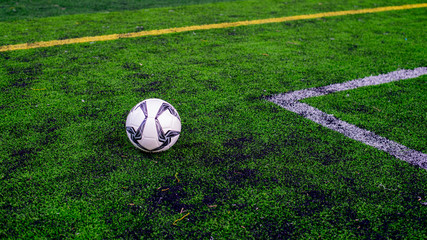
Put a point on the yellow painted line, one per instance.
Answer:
(203, 27)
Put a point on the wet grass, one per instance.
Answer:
(242, 168)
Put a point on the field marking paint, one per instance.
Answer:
(290, 101)
(202, 27)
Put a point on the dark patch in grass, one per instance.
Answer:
(395, 94)
(48, 139)
(209, 199)
(242, 177)
(390, 231)
(47, 131)
(210, 84)
(64, 85)
(235, 147)
(131, 66)
(332, 156)
(18, 159)
(349, 181)
(7, 232)
(350, 214)
(170, 195)
(290, 178)
(408, 214)
(134, 209)
(363, 227)
(232, 32)
(114, 137)
(114, 142)
(236, 150)
(104, 93)
(213, 194)
(347, 214)
(259, 97)
(315, 201)
(198, 234)
(139, 76)
(176, 232)
(24, 76)
(411, 213)
(16, 130)
(238, 206)
(271, 228)
(239, 142)
(76, 193)
(149, 87)
(4, 55)
(136, 232)
(326, 156)
(352, 47)
(10, 208)
(229, 158)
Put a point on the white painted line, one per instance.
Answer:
(290, 101)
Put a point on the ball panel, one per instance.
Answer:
(149, 136)
(166, 120)
(176, 125)
(149, 144)
(135, 117)
(153, 106)
(150, 129)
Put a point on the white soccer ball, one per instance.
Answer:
(153, 125)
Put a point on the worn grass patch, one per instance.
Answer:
(246, 167)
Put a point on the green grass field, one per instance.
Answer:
(28, 9)
(243, 167)
(395, 110)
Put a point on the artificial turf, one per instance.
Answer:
(28, 9)
(396, 110)
(13, 31)
(242, 168)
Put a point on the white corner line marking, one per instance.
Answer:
(290, 101)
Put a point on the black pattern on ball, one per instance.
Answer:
(137, 135)
(164, 138)
(166, 106)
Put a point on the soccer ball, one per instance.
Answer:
(153, 125)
